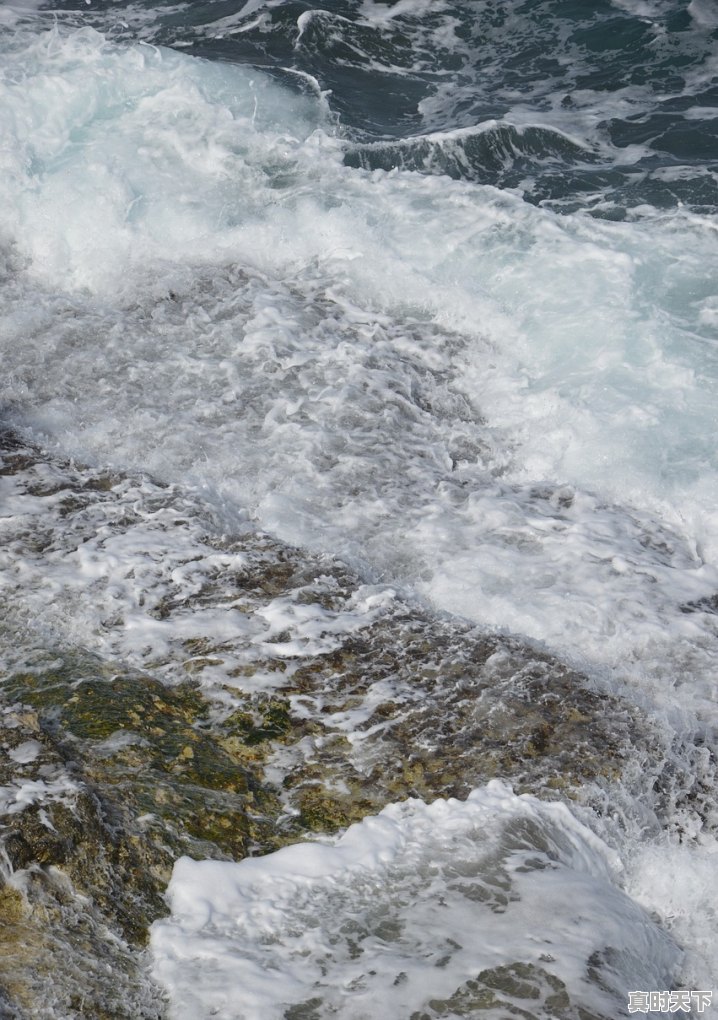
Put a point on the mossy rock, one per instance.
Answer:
(151, 784)
(320, 812)
(269, 720)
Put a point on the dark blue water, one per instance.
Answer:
(607, 106)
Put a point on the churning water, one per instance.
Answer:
(429, 287)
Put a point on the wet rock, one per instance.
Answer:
(517, 990)
(74, 893)
(114, 762)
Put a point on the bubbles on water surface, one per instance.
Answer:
(507, 410)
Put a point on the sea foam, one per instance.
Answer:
(408, 911)
(507, 411)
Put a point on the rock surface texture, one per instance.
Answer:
(269, 695)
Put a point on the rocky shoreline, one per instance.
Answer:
(333, 699)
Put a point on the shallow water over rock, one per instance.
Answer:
(281, 697)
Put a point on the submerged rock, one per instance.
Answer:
(519, 990)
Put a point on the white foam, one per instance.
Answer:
(25, 752)
(15, 11)
(648, 9)
(25, 793)
(322, 384)
(677, 881)
(703, 14)
(109, 574)
(512, 411)
(402, 909)
(381, 14)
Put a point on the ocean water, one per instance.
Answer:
(429, 287)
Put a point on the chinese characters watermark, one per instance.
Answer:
(681, 1001)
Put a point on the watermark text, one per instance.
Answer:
(681, 1001)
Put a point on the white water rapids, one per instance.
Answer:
(509, 413)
